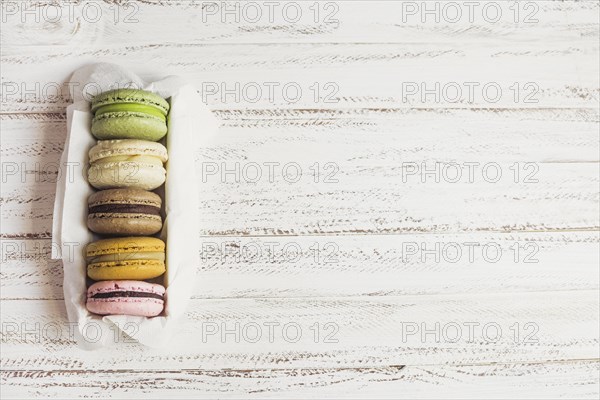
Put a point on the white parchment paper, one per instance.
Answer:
(190, 124)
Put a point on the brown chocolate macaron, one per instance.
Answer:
(124, 212)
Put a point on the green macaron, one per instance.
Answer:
(129, 114)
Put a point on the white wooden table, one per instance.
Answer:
(376, 278)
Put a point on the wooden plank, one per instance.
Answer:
(341, 21)
(321, 266)
(232, 210)
(352, 332)
(577, 379)
(559, 59)
(307, 75)
(376, 156)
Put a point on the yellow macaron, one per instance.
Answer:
(126, 258)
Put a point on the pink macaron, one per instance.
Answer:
(137, 298)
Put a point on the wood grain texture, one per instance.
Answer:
(322, 266)
(557, 21)
(361, 183)
(378, 55)
(563, 75)
(367, 126)
(563, 326)
(556, 380)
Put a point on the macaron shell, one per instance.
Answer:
(124, 224)
(132, 269)
(133, 286)
(124, 196)
(124, 245)
(125, 95)
(126, 174)
(128, 125)
(138, 307)
(127, 147)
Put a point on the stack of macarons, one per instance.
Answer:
(126, 164)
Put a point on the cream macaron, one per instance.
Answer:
(127, 163)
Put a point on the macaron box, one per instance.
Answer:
(126, 217)
(126, 264)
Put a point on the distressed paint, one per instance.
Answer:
(368, 128)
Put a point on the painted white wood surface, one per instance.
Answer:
(371, 194)
(308, 266)
(350, 239)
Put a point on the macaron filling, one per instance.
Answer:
(126, 293)
(132, 158)
(133, 245)
(119, 257)
(126, 96)
(131, 107)
(127, 148)
(125, 209)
